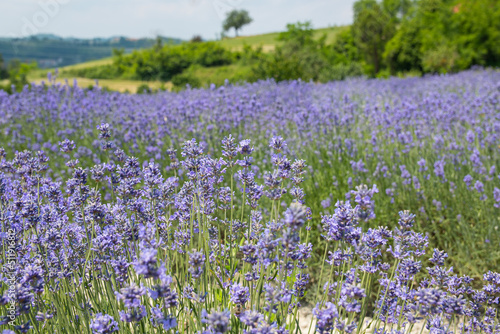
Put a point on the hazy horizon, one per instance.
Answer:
(149, 18)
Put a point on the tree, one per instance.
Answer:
(372, 29)
(236, 19)
(397, 9)
(196, 39)
(18, 73)
(158, 44)
(403, 52)
(4, 74)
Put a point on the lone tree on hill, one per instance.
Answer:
(236, 19)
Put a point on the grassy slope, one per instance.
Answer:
(215, 74)
(42, 73)
(269, 41)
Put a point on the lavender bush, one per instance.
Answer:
(155, 213)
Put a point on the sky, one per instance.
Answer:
(173, 18)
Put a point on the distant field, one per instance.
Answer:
(93, 63)
(116, 85)
(119, 85)
(42, 73)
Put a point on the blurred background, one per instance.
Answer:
(149, 45)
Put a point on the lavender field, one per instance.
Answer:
(227, 209)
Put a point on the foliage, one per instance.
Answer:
(4, 74)
(236, 19)
(218, 76)
(301, 33)
(196, 39)
(159, 63)
(372, 29)
(291, 61)
(446, 36)
(304, 57)
(341, 71)
(185, 79)
(442, 59)
(403, 51)
(144, 89)
(17, 74)
(343, 50)
(397, 9)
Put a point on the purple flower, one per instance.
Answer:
(217, 321)
(239, 294)
(359, 166)
(133, 315)
(326, 317)
(229, 148)
(103, 324)
(326, 203)
(422, 164)
(245, 147)
(295, 216)
(342, 225)
(363, 196)
(164, 291)
(196, 264)
(104, 131)
(277, 144)
(251, 318)
(470, 136)
(438, 257)
(131, 295)
(350, 296)
(496, 196)
(479, 186)
(67, 145)
(406, 219)
(439, 169)
(158, 318)
(429, 300)
(146, 265)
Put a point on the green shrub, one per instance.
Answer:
(443, 59)
(340, 72)
(169, 61)
(97, 72)
(180, 81)
(144, 89)
(6, 88)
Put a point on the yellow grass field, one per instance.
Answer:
(116, 85)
